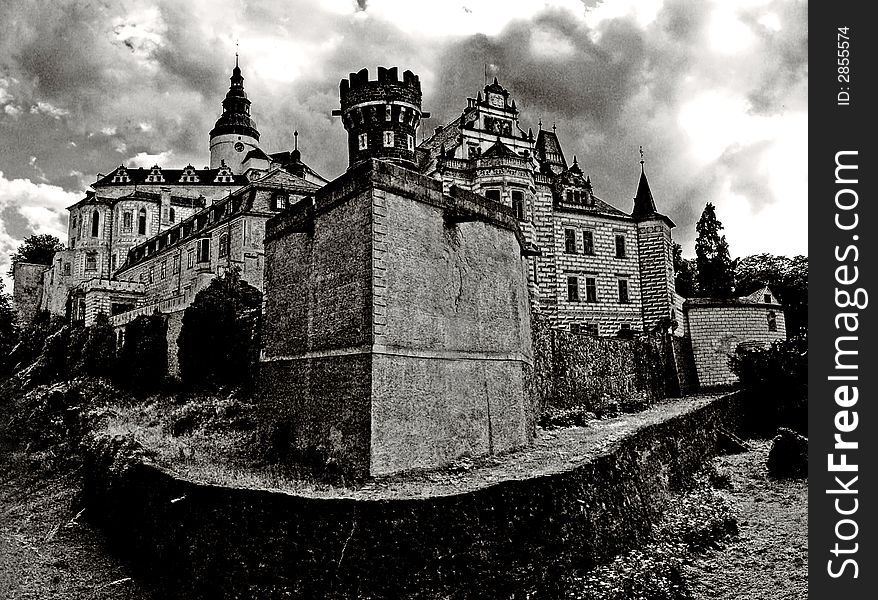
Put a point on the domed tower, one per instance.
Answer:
(381, 116)
(234, 134)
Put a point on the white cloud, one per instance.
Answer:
(145, 160)
(643, 11)
(47, 108)
(12, 110)
(727, 33)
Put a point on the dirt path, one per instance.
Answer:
(769, 558)
(46, 552)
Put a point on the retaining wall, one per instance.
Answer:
(501, 540)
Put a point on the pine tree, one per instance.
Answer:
(716, 273)
(685, 273)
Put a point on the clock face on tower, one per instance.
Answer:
(495, 100)
(239, 146)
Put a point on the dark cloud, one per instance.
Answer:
(16, 225)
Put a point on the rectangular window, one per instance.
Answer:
(141, 276)
(113, 262)
(388, 139)
(569, 241)
(66, 269)
(588, 242)
(518, 204)
(176, 264)
(410, 142)
(190, 258)
(223, 249)
(164, 269)
(91, 261)
(151, 277)
(363, 141)
(623, 291)
(573, 289)
(591, 289)
(388, 112)
(493, 194)
(620, 246)
(127, 221)
(204, 250)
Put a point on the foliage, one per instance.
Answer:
(685, 274)
(219, 339)
(715, 275)
(143, 359)
(8, 331)
(788, 279)
(775, 383)
(38, 249)
(99, 350)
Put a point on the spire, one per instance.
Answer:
(644, 205)
(236, 109)
(295, 155)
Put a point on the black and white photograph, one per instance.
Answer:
(386, 299)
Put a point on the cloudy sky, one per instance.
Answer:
(714, 90)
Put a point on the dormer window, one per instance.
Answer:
(189, 175)
(121, 176)
(224, 175)
(155, 175)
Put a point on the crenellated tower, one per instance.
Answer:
(234, 134)
(381, 117)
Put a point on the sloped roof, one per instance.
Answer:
(499, 150)
(171, 177)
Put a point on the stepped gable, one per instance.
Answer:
(171, 177)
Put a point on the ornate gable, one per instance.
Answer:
(189, 175)
(121, 175)
(155, 175)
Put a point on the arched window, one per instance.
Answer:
(171, 215)
(223, 245)
(141, 222)
(95, 223)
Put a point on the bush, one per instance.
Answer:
(143, 360)
(99, 350)
(774, 380)
(219, 338)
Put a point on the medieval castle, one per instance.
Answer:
(420, 263)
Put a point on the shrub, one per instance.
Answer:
(774, 380)
(143, 360)
(219, 338)
(99, 350)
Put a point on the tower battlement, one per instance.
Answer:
(381, 116)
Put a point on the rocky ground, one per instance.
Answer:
(769, 558)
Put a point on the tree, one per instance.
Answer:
(685, 273)
(38, 249)
(99, 350)
(715, 268)
(219, 337)
(143, 360)
(8, 330)
(787, 277)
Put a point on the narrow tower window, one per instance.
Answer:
(363, 141)
(388, 139)
(141, 222)
(95, 223)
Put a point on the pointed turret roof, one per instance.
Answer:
(644, 204)
(236, 109)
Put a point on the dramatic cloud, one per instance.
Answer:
(714, 90)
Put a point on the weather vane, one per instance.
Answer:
(641, 154)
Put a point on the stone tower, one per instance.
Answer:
(656, 256)
(381, 117)
(234, 134)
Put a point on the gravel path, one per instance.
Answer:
(769, 558)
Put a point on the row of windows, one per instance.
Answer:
(570, 245)
(574, 288)
(388, 139)
(199, 254)
(592, 329)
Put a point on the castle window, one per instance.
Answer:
(591, 289)
(584, 328)
(142, 276)
(570, 196)
(176, 264)
(388, 139)
(141, 222)
(410, 142)
(573, 288)
(65, 269)
(518, 204)
(388, 113)
(127, 220)
(151, 274)
(588, 242)
(363, 141)
(623, 291)
(223, 245)
(569, 241)
(113, 262)
(280, 201)
(620, 246)
(164, 269)
(203, 250)
(171, 215)
(190, 258)
(493, 194)
(772, 321)
(91, 261)
(95, 223)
